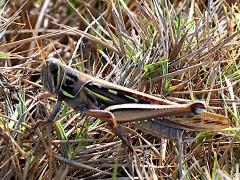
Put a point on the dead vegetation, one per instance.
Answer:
(180, 49)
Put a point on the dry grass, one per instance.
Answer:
(181, 50)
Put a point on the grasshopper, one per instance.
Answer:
(117, 104)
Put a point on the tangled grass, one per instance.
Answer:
(178, 49)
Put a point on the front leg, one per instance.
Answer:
(57, 108)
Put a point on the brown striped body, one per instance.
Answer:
(85, 93)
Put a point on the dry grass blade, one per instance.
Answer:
(40, 37)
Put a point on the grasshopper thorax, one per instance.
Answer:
(59, 79)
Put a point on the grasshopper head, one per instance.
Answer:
(52, 75)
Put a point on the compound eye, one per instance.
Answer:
(54, 73)
(54, 68)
